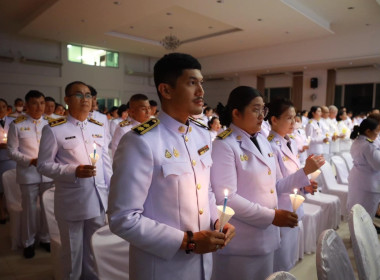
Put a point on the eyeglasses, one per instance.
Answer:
(263, 111)
(82, 96)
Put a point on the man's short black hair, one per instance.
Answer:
(170, 67)
(49, 98)
(17, 100)
(92, 90)
(33, 94)
(153, 103)
(138, 97)
(122, 109)
(69, 86)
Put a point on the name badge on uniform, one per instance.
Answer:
(202, 150)
(25, 128)
(71, 137)
(97, 136)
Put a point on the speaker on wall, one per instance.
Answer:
(314, 82)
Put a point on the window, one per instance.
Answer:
(108, 102)
(271, 94)
(90, 56)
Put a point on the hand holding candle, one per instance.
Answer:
(296, 200)
(94, 156)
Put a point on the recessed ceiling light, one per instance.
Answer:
(351, 8)
(287, 32)
(305, 67)
(210, 27)
(116, 3)
(170, 27)
(82, 20)
(219, 1)
(131, 27)
(168, 13)
(367, 24)
(259, 19)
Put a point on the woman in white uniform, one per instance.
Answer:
(5, 162)
(282, 119)
(364, 178)
(314, 130)
(344, 132)
(245, 165)
(215, 127)
(301, 140)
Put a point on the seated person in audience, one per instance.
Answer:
(153, 108)
(19, 108)
(139, 112)
(23, 145)
(245, 164)
(215, 127)
(160, 197)
(59, 110)
(364, 177)
(6, 162)
(81, 184)
(282, 119)
(122, 113)
(50, 109)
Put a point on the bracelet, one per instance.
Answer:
(190, 242)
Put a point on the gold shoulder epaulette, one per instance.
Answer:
(291, 136)
(270, 137)
(369, 140)
(146, 126)
(56, 122)
(310, 121)
(225, 134)
(95, 121)
(49, 119)
(20, 119)
(198, 123)
(124, 123)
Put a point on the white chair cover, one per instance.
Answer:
(55, 239)
(341, 169)
(332, 187)
(365, 243)
(111, 254)
(330, 205)
(311, 221)
(281, 275)
(13, 198)
(332, 258)
(348, 159)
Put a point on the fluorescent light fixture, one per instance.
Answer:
(133, 38)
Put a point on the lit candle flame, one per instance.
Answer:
(5, 135)
(295, 191)
(226, 193)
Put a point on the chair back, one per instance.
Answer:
(328, 176)
(348, 159)
(281, 275)
(111, 254)
(341, 169)
(332, 258)
(12, 190)
(365, 243)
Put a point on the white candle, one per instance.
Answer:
(94, 149)
(296, 200)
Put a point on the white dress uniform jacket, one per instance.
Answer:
(364, 177)
(333, 128)
(63, 148)
(345, 143)
(253, 180)
(159, 189)
(23, 144)
(122, 129)
(314, 131)
(102, 118)
(301, 141)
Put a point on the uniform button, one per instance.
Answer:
(181, 129)
(186, 138)
(271, 191)
(193, 162)
(199, 186)
(200, 211)
(269, 172)
(190, 129)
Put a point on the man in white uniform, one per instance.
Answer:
(160, 195)
(23, 143)
(81, 191)
(139, 112)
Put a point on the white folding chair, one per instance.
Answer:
(111, 254)
(13, 198)
(281, 275)
(341, 169)
(332, 187)
(331, 208)
(332, 258)
(55, 239)
(365, 243)
(348, 159)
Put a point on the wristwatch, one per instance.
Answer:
(190, 247)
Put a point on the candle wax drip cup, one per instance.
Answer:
(224, 217)
(296, 200)
(94, 159)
